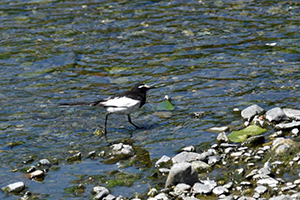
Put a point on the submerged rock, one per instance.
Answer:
(182, 173)
(14, 187)
(282, 145)
(162, 161)
(122, 150)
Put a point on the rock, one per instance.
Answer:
(271, 182)
(122, 150)
(182, 173)
(261, 189)
(101, 192)
(249, 112)
(91, 154)
(36, 174)
(220, 190)
(31, 169)
(295, 131)
(162, 161)
(222, 137)
(242, 135)
(161, 196)
(292, 113)
(14, 187)
(200, 188)
(109, 197)
(275, 115)
(45, 163)
(254, 140)
(200, 166)
(188, 149)
(282, 197)
(213, 160)
(181, 188)
(188, 157)
(152, 192)
(219, 129)
(211, 184)
(76, 157)
(292, 124)
(282, 145)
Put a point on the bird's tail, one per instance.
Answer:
(94, 103)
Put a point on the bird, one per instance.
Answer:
(124, 103)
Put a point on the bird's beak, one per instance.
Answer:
(149, 87)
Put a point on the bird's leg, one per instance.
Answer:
(129, 119)
(105, 123)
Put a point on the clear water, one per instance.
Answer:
(208, 56)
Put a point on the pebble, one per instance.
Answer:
(261, 189)
(122, 150)
(44, 163)
(219, 129)
(200, 166)
(222, 137)
(36, 174)
(188, 149)
(101, 192)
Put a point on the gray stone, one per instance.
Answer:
(220, 190)
(275, 115)
(200, 188)
(45, 163)
(292, 124)
(101, 192)
(211, 184)
(161, 196)
(261, 189)
(254, 140)
(219, 129)
(246, 198)
(282, 197)
(122, 149)
(181, 188)
(188, 149)
(187, 157)
(249, 112)
(14, 187)
(109, 197)
(152, 192)
(292, 113)
(296, 196)
(200, 166)
(162, 161)
(268, 181)
(230, 197)
(282, 146)
(213, 160)
(182, 173)
(222, 137)
(228, 185)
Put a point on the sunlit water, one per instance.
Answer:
(208, 56)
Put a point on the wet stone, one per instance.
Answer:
(213, 160)
(288, 125)
(261, 189)
(222, 137)
(14, 187)
(152, 192)
(220, 190)
(109, 197)
(101, 192)
(91, 154)
(182, 173)
(268, 181)
(188, 149)
(275, 115)
(200, 166)
(182, 188)
(161, 196)
(44, 163)
(31, 169)
(76, 157)
(188, 157)
(249, 112)
(211, 184)
(219, 129)
(162, 161)
(122, 149)
(292, 113)
(36, 174)
(200, 188)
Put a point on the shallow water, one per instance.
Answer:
(208, 56)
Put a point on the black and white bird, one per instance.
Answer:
(123, 103)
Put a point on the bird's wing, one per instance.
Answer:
(124, 102)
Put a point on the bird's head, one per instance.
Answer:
(142, 87)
